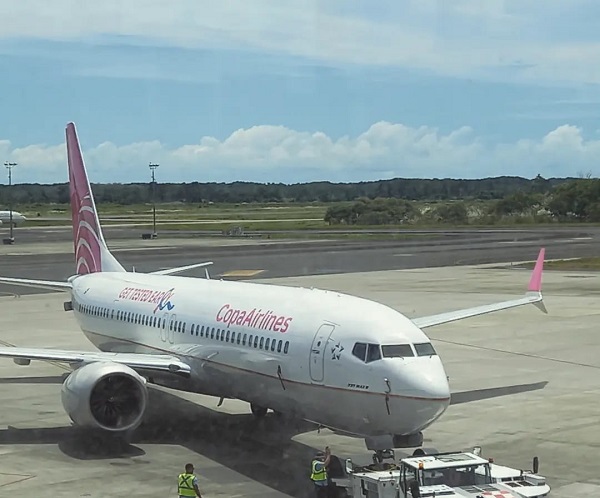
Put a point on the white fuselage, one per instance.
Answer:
(17, 218)
(285, 348)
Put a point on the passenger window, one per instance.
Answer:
(244, 340)
(227, 337)
(273, 343)
(425, 349)
(250, 340)
(255, 341)
(286, 347)
(360, 350)
(238, 337)
(202, 331)
(232, 337)
(267, 341)
(212, 333)
(279, 344)
(262, 342)
(373, 353)
(397, 351)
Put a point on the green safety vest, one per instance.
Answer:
(185, 486)
(318, 475)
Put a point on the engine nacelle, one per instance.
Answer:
(105, 395)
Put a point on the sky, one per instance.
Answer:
(294, 91)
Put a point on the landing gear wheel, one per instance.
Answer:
(380, 455)
(258, 411)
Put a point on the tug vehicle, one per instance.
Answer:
(433, 474)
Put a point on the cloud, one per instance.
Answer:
(550, 42)
(278, 154)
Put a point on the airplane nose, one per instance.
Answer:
(427, 379)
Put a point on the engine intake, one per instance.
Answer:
(105, 395)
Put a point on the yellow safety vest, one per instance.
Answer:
(185, 486)
(318, 475)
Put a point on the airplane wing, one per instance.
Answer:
(41, 284)
(532, 296)
(162, 363)
(179, 269)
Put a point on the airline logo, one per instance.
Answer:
(258, 319)
(88, 256)
(162, 299)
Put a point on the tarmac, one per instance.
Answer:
(236, 456)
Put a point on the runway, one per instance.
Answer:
(35, 256)
(237, 457)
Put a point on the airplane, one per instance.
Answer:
(17, 218)
(346, 363)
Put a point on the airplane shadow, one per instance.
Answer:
(262, 450)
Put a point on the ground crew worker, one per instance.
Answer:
(187, 483)
(319, 473)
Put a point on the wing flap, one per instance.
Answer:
(162, 363)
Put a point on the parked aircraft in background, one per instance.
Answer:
(17, 218)
(344, 362)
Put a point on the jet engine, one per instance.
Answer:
(105, 395)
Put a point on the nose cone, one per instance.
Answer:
(426, 378)
(424, 391)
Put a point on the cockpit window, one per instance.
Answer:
(425, 349)
(397, 351)
(373, 353)
(360, 350)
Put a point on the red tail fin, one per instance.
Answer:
(91, 253)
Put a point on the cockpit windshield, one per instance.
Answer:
(397, 351)
(425, 349)
(373, 352)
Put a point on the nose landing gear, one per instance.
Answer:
(380, 455)
(258, 411)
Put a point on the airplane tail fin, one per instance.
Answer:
(91, 252)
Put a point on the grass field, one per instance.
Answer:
(251, 217)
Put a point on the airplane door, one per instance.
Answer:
(317, 352)
(172, 325)
(164, 327)
(167, 331)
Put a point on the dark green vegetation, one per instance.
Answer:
(237, 192)
(492, 201)
(571, 201)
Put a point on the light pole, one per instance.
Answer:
(152, 169)
(9, 167)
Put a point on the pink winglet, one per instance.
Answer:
(535, 284)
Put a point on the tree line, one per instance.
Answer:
(574, 200)
(238, 192)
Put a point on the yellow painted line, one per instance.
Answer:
(241, 273)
